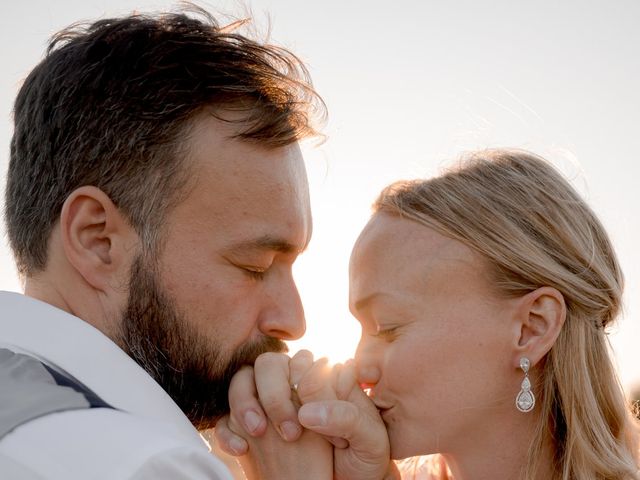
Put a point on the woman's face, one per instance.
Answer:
(436, 337)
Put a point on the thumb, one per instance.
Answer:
(365, 433)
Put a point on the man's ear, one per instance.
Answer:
(540, 316)
(98, 242)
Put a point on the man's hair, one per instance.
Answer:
(111, 105)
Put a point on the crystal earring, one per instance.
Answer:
(525, 401)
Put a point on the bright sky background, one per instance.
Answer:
(410, 85)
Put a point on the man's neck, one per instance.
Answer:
(35, 287)
(80, 301)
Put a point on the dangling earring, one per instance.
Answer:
(525, 401)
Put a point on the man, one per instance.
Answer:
(156, 201)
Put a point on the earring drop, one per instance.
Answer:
(525, 401)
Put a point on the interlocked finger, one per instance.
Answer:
(318, 383)
(274, 392)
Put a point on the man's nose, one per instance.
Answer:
(283, 318)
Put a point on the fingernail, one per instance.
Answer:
(290, 430)
(252, 421)
(313, 415)
(237, 446)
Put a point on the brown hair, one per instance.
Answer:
(111, 105)
(535, 230)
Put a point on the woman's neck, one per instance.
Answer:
(499, 452)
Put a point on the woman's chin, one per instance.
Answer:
(401, 450)
(403, 447)
(403, 454)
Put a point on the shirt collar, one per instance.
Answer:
(66, 342)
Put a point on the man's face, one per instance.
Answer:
(221, 290)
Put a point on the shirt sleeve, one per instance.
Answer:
(182, 463)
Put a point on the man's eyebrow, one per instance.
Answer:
(267, 242)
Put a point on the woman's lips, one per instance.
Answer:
(386, 414)
(382, 409)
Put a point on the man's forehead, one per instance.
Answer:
(246, 197)
(250, 176)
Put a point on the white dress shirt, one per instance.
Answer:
(145, 437)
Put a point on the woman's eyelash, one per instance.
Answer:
(255, 273)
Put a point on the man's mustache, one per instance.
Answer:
(247, 354)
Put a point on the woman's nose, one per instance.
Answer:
(368, 376)
(367, 369)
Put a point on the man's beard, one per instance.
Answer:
(189, 367)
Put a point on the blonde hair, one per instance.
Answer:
(526, 219)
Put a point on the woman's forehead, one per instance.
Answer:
(396, 253)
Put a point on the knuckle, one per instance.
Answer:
(269, 359)
(238, 406)
(352, 416)
(303, 355)
(310, 389)
(276, 408)
(242, 377)
(221, 430)
(232, 426)
(348, 418)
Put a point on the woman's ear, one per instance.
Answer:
(97, 241)
(540, 316)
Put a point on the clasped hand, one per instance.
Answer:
(325, 427)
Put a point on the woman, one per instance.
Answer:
(484, 296)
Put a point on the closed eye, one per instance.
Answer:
(255, 273)
(386, 333)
